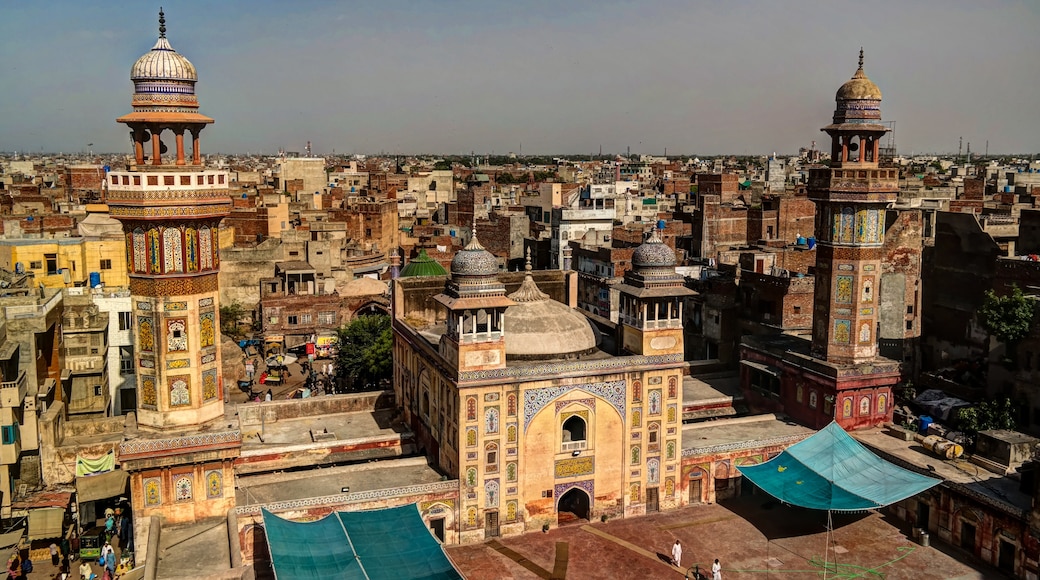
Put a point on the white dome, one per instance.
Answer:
(163, 63)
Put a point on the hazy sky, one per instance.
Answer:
(563, 76)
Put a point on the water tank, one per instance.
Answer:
(924, 421)
(660, 224)
(800, 241)
(95, 279)
(942, 447)
(811, 242)
(1007, 189)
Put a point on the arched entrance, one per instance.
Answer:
(573, 507)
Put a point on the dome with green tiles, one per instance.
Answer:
(422, 265)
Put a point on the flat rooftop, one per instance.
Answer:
(998, 488)
(740, 432)
(720, 387)
(345, 427)
(287, 486)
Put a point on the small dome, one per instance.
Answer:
(859, 87)
(162, 63)
(653, 253)
(474, 260)
(422, 265)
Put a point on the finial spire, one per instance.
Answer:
(861, 58)
(162, 23)
(527, 268)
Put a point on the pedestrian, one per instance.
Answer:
(269, 396)
(85, 571)
(677, 554)
(716, 570)
(55, 554)
(110, 526)
(110, 565)
(328, 369)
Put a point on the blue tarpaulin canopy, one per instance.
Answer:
(832, 471)
(384, 544)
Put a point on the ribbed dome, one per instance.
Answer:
(859, 87)
(474, 260)
(162, 63)
(423, 265)
(653, 253)
(538, 327)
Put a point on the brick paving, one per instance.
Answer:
(751, 537)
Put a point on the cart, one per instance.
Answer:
(90, 543)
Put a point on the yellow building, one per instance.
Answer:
(520, 398)
(69, 262)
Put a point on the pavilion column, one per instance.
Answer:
(138, 148)
(156, 144)
(180, 146)
(196, 154)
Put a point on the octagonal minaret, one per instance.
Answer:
(170, 210)
(851, 197)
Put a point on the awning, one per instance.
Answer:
(46, 523)
(101, 486)
(832, 471)
(11, 539)
(391, 543)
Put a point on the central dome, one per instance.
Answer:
(538, 327)
(162, 63)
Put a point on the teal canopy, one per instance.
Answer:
(384, 544)
(832, 471)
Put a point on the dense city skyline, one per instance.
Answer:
(528, 77)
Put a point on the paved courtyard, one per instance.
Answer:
(752, 538)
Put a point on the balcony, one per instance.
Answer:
(569, 446)
(12, 393)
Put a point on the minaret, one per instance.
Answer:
(851, 197)
(476, 303)
(170, 210)
(652, 296)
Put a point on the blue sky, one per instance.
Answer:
(695, 77)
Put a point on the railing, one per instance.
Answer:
(574, 445)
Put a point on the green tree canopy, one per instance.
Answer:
(1008, 317)
(231, 316)
(365, 351)
(992, 414)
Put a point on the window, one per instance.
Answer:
(305, 319)
(106, 264)
(126, 366)
(272, 320)
(909, 324)
(126, 320)
(36, 265)
(574, 433)
(293, 319)
(326, 318)
(9, 434)
(52, 263)
(368, 232)
(97, 390)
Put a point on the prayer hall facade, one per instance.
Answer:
(540, 417)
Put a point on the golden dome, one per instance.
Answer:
(859, 87)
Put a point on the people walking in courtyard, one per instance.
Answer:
(677, 553)
(716, 570)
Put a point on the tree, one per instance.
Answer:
(992, 414)
(231, 316)
(1008, 317)
(365, 351)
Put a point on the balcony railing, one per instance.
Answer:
(574, 445)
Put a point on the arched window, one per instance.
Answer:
(573, 429)
(491, 457)
(425, 407)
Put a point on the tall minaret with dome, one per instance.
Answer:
(170, 207)
(851, 196)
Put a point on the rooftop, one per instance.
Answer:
(345, 426)
(740, 433)
(278, 487)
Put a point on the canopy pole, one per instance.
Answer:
(827, 547)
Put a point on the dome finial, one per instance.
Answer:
(527, 268)
(162, 23)
(861, 58)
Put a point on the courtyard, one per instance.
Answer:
(753, 537)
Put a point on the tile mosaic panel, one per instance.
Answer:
(574, 467)
(214, 484)
(209, 385)
(536, 399)
(152, 492)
